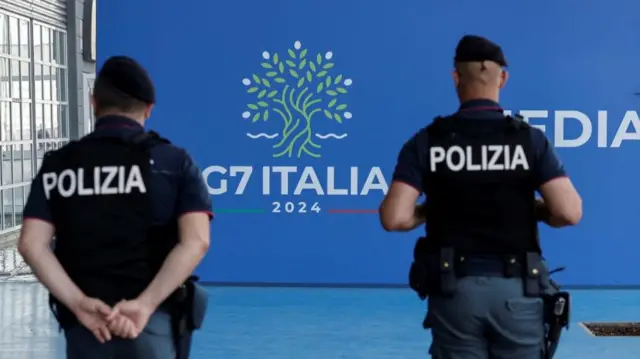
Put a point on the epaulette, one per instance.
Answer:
(517, 121)
(156, 137)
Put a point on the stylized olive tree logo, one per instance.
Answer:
(297, 87)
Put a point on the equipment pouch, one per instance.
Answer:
(433, 272)
(418, 279)
(423, 271)
(448, 276)
(534, 271)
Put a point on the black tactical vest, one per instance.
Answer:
(479, 186)
(98, 191)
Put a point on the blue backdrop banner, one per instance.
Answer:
(296, 110)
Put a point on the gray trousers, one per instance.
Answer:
(488, 318)
(155, 342)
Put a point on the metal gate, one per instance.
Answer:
(34, 90)
(52, 12)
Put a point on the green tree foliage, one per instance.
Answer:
(297, 88)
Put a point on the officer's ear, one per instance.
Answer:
(456, 78)
(147, 111)
(504, 76)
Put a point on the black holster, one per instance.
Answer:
(189, 309)
(557, 314)
(434, 274)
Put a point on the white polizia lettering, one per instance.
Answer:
(492, 158)
(107, 180)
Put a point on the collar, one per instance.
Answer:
(480, 105)
(117, 122)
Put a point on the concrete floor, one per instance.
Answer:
(322, 323)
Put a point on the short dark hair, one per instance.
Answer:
(109, 98)
(479, 72)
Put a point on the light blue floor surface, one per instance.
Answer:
(298, 323)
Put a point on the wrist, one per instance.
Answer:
(148, 301)
(74, 302)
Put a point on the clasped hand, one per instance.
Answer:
(126, 319)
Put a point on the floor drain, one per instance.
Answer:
(612, 329)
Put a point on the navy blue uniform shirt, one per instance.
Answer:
(176, 185)
(411, 167)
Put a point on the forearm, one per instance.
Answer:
(556, 222)
(178, 266)
(416, 222)
(544, 214)
(417, 219)
(49, 271)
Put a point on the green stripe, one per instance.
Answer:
(238, 210)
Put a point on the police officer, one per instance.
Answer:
(480, 262)
(130, 213)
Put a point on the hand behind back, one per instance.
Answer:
(129, 318)
(92, 313)
(104, 322)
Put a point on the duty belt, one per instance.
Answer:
(442, 271)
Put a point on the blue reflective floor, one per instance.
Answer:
(281, 323)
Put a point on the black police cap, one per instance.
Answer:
(473, 48)
(128, 76)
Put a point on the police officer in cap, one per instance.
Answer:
(480, 264)
(130, 213)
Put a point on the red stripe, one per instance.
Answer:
(353, 211)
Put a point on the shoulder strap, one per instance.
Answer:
(142, 140)
(517, 122)
(147, 140)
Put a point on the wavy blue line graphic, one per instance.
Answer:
(262, 135)
(331, 135)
